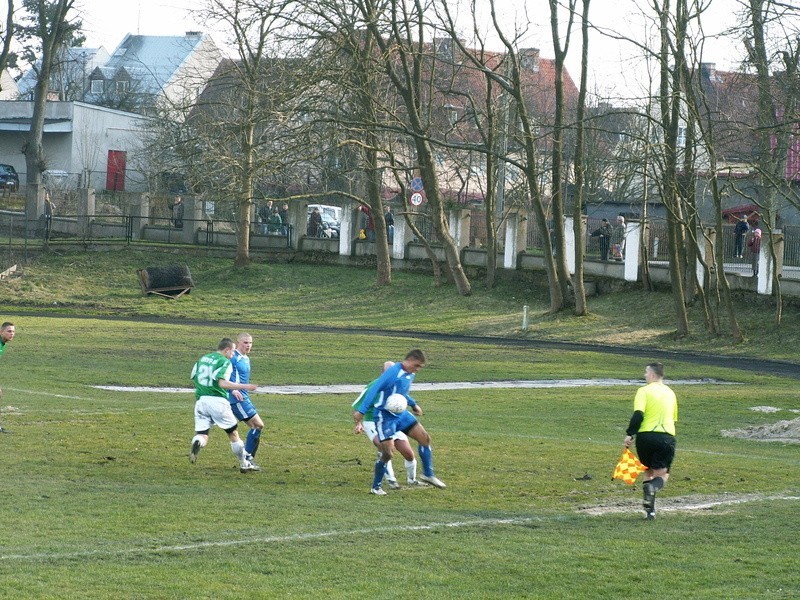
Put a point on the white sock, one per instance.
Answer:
(199, 438)
(238, 451)
(411, 469)
(390, 471)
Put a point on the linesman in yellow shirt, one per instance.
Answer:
(655, 412)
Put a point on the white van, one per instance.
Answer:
(332, 214)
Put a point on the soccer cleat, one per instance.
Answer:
(650, 515)
(196, 447)
(249, 467)
(249, 458)
(378, 492)
(393, 484)
(433, 480)
(649, 502)
(416, 483)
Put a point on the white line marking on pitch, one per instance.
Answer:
(300, 537)
(295, 537)
(678, 505)
(452, 385)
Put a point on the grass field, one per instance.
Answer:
(100, 501)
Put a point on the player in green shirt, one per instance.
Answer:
(655, 412)
(7, 332)
(211, 377)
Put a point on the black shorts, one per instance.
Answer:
(656, 450)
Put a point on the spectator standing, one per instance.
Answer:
(264, 214)
(314, 228)
(618, 238)
(655, 412)
(369, 225)
(284, 213)
(275, 223)
(754, 245)
(389, 218)
(740, 230)
(604, 232)
(177, 209)
(48, 215)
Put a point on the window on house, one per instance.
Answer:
(96, 86)
(122, 86)
(453, 116)
(681, 137)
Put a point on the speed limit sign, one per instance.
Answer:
(416, 199)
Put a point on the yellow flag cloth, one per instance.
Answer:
(628, 467)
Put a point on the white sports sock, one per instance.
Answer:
(390, 471)
(238, 451)
(199, 438)
(411, 469)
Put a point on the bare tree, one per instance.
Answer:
(8, 36)
(48, 28)
(398, 31)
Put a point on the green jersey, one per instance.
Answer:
(368, 416)
(2, 348)
(207, 372)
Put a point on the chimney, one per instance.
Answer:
(708, 71)
(194, 35)
(529, 59)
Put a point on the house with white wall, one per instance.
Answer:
(87, 145)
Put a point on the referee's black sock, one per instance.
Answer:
(657, 483)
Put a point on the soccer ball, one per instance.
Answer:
(396, 403)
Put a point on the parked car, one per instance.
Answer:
(331, 219)
(9, 180)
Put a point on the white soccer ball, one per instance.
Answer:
(396, 403)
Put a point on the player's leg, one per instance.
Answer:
(371, 431)
(202, 425)
(404, 448)
(245, 411)
(387, 449)
(224, 418)
(656, 450)
(253, 439)
(418, 433)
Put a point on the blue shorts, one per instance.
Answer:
(244, 410)
(389, 423)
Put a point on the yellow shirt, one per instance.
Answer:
(660, 407)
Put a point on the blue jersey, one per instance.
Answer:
(240, 374)
(394, 380)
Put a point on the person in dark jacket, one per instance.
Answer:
(604, 232)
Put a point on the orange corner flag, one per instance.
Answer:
(628, 468)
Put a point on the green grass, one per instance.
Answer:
(99, 500)
(301, 294)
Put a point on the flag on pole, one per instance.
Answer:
(628, 467)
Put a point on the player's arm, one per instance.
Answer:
(388, 376)
(358, 417)
(230, 385)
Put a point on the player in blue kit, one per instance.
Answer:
(243, 409)
(397, 379)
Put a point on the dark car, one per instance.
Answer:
(9, 179)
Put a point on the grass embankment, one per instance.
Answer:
(303, 294)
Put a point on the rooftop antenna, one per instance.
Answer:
(139, 20)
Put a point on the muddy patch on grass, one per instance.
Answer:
(782, 431)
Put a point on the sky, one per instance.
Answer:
(615, 68)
